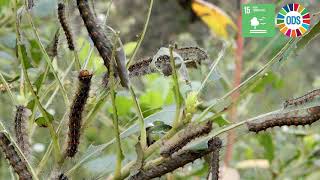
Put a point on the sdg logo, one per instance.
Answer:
(293, 20)
(258, 20)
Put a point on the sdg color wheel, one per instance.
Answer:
(293, 20)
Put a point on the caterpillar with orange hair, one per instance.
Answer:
(76, 110)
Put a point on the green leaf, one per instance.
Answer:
(221, 121)
(266, 141)
(13, 79)
(152, 99)
(25, 58)
(42, 122)
(31, 104)
(35, 51)
(129, 48)
(305, 40)
(38, 82)
(166, 116)
(4, 3)
(124, 105)
(269, 78)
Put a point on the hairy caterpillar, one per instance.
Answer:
(302, 99)
(176, 161)
(214, 164)
(163, 63)
(308, 116)
(95, 32)
(102, 43)
(191, 56)
(76, 110)
(141, 68)
(16, 161)
(20, 128)
(183, 137)
(52, 48)
(65, 26)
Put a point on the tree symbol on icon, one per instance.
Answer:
(254, 22)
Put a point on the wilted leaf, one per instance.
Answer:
(214, 17)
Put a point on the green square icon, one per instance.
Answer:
(258, 20)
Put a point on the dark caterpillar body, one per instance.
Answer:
(16, 161)
(214, 164)
(176, 161)
(192, 55)
(302, 99)
(65, 25)
(183, 137)
(287, 119)
(95, 32)
(20, 127)
(76, 111)
(141, 68)
(163, 63)
(102, 43)
(52, 48)
(144, 67)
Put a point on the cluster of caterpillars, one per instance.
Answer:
(192, 57)
(180, 159)
(302, 117)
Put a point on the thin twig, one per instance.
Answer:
(3, 80)
(120, 156)
(77, 59)
(176, 88)
(47, 58)
(142, 35)
(213, 66)
(143, 133)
